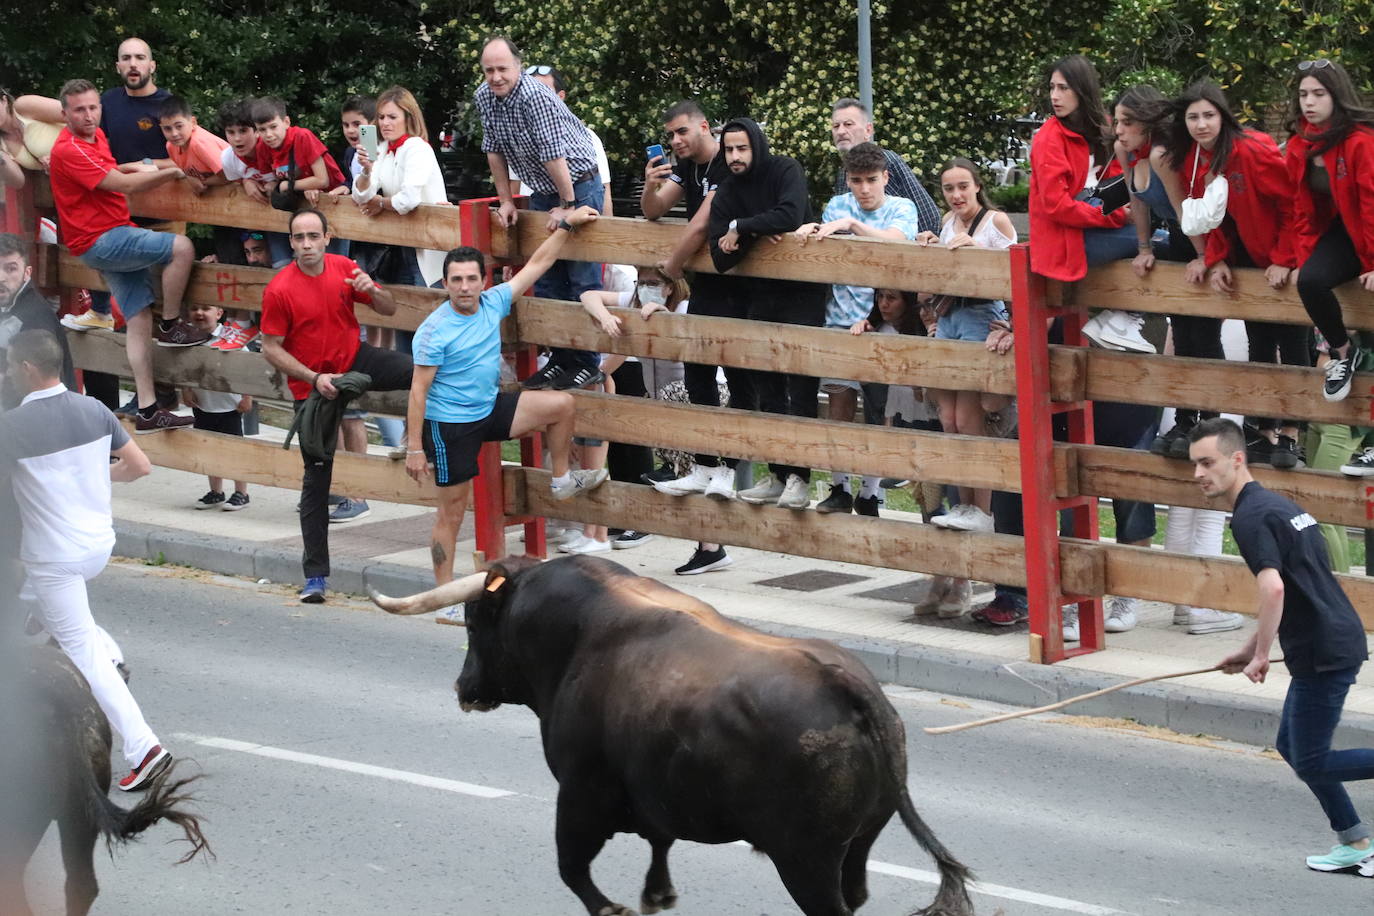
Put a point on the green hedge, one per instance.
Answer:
(949, 77)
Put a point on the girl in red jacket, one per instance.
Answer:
(1209, 145)
(1331, 165)
(1070, 156)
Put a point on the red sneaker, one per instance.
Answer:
(157, 760)
(1002, 611)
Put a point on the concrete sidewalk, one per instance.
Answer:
(866, 609)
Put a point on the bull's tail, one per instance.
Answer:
(952, 899)
(162, 800)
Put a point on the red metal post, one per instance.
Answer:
(1031, 315)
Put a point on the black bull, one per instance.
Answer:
(660, 717)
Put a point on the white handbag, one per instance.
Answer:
(1203, 214)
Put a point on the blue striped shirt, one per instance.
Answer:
(849, 304)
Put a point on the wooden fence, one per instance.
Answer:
(1046, 379)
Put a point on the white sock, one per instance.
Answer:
(563, 481)
(843, 483)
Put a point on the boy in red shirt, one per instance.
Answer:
(279, 144)
(88, 188)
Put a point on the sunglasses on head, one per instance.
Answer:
(255, 236)
(1320, 63)
(541, 70)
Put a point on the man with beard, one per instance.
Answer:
(24, 308)
(763, 196)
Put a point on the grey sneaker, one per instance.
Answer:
(1121, 614)
(956, 601)
(765, 491)
(583, 481)
(796, 495)
(1070, 614)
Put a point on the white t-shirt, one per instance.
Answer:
(216, 401)
(235, 169)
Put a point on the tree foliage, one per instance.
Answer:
(949, 78)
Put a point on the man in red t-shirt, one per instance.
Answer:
(93, 214)
(310, 333)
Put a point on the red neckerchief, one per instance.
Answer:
(400, 141)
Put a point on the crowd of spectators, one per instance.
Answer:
(1143, 179)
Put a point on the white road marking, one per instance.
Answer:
(466, 788)
(348, 766)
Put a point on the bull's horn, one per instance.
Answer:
(455, 592)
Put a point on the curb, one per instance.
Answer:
(965, 674)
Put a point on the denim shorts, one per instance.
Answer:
(836, 385)
(970, 321)
(123, 256)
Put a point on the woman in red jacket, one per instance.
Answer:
(1209, 144)
(1070, 156)
(1331, 165)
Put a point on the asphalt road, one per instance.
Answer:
(341, 778)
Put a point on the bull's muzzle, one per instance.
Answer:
(455, 592)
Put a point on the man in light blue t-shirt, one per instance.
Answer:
(455, 404)
(866, 211)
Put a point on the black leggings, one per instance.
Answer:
(626, 462)
(1333, 261)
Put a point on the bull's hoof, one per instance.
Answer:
(653, 901)
(615, 909)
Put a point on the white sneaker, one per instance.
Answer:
(1070, 619)
(694, 481)
(1182, 614)
(581, 481)
(1117, 330)
(453, 615)
(956, 600)
(1206, 620)
(571, 544)
(765, 491)
(796, 495)
(965, 517)
(590, 545)
(720, 482)
(1121, 614)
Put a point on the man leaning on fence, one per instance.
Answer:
(310, 333)
(88, 188)
(527, 128)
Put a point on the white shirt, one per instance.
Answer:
(409, 177)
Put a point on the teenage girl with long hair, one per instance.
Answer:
(1070, 156)
(1209, 144)
(1331, 166)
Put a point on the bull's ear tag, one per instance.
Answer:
(496, 583)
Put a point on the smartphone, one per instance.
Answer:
(367, 138)
(656, 152)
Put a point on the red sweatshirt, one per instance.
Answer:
(1350, 165)
(1059, 171)
(1259, 200)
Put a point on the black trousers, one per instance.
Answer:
(1333, 261)
(627, 462)
(786, 302)
(390, 371)
(712, 297)
(1286, 344)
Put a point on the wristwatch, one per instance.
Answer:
(568, 204)
(566, 226)
(733, 226)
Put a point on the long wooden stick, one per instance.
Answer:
(947, 729)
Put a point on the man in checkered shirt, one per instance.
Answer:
(527, 127)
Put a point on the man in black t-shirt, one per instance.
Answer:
(1322, 638)
(698, 171)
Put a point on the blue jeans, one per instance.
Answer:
(568, 280)
(1311, 713)
(123, 255)
(1102, 246)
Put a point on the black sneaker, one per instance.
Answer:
(705, 561)
(837, 501)
(180, 333)
(628, 539)
(1285, 455)
(1174, 443)
(866, 505)
(544, 378)
(239, 500)
(579, 379)
(129, 408)
(1361, 464)
(1340, 373)
(659, 475)
(1258, 448)
(211, 500)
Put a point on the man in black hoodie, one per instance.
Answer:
(24, 308)
(764, 196)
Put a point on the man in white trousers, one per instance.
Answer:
(55, 450)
